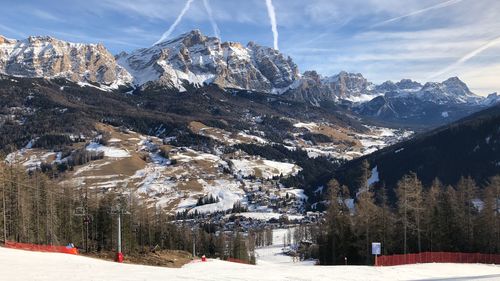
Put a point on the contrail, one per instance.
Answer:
(176, 22)
(272, 18)
(211, 18)
(467, 57)
(438, 6)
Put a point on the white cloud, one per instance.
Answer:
(467, 57)
(45, 15)
(420, 11)
(272, 19)
(167, 33)
(215, 28)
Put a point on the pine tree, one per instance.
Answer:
(410, 208)
(488, 228)
(337, 237)
(467, 192)
(448, 234)
(386, 219)
(430, 215)
(367, 223)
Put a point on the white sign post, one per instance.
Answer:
(376, 249)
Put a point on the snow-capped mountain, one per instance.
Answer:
(198, 59)
(195, 59)
(453, 90)
(313, 88)
(48, 57)
(491, 99)
(405, 85)
(412, 102)
(356, 88)
(350, 86)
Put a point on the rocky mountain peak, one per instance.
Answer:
(4, 40)
(452, 90)
(346, 85)
(408, 84)
(387, 86)
(189, 39)
(457, 87)
(45, 56)
(198, 59)
(491, 99)
(311, 74)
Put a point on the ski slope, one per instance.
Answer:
(24, 265)
(273, 256)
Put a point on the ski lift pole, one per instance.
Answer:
(119, 212)
(194, 244)
(119, 255)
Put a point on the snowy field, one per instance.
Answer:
(24, 265)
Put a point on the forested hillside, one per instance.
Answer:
(33, 209)
(469, 147)
(435, 217)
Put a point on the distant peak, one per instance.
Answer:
(252, 44)
(408, 84)
(453, 79)
(193, 33)
(6, 40)
(35, 38)
(345, 73)
(406, 80)
(455, 83)
(190, 38)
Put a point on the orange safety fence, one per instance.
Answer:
(438, 257)
(41, 248)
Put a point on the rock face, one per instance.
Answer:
(491, 99)
(453, 90)
(48, 57)
(347, 85)
(343, 86)
(411, 102)
(197, 59)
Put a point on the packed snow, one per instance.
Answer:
(226, 191)
(374, 176)
(310, 126)
(17, 265)
(109, 151)
(267, 168)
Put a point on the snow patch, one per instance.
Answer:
(310, 126)
(108, 150)
(374, 176)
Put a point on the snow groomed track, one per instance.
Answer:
(271, 265)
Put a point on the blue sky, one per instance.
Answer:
(426, 40)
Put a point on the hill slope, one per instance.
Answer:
(468, 147)
(13, 264)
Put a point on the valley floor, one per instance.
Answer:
(25, 265)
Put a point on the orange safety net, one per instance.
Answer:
(439, 257)
(41, 248)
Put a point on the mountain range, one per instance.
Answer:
(193, 60)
